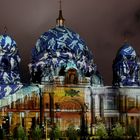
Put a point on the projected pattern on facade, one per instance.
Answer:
(9, 61)
(9, 66)
(60, 49)
(125, 67)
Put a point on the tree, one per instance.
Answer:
(19, 133)
(37, 133)
(117, 131)
(71, 132)
(101, 131)
(132, 131)
(55, 132)
(2, 134)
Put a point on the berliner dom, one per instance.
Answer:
(66, 90)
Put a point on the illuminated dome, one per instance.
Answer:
(64, 40)
(61, 49)
(125, 67)
(9, 61)
(126, 50)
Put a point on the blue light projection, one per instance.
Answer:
(9, 61)
(6, 90)
(60, 48)
(125, 67)
(9, 66)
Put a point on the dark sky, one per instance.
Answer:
(101, 23)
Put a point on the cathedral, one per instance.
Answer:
(65, 85)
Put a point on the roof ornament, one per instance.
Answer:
(5, 29)
(60, 5)
(60, 20)
(127, 35)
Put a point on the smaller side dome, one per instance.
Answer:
(138, 62)
(125, 67)
(9, 61)
(126, 51)
(7, 44)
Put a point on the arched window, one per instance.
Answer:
(71, 77)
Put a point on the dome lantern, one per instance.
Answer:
(60, 20)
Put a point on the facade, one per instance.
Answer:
(66, 86)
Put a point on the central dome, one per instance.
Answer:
(61, 39)
(60, 52)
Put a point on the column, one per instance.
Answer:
(41, 107)
(92, 112)
(126, 116)
(26, 120)
(51, 94)
(101, 101)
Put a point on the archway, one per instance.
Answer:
(74, 112)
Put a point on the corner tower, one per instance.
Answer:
(9, 60)
(125, 67)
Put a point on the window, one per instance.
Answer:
(131, 102)
(71, 77)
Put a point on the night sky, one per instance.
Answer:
(101, 23)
